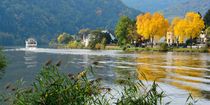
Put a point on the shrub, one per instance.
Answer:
(75, 44)
(132, 95)
(2, 60)
(204, 49)
(163, 47)
(54, 88)
(98, 46)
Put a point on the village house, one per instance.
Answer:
(170, 38)
(202, 38)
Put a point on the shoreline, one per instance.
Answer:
(149, 49)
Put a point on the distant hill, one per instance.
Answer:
(152, 5)
(201, 6)
(170, 8)
(43, 19)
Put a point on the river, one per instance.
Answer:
(178, 74)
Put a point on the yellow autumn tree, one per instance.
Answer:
(195, 24)
(152, 27)
(179, 26)
(188, 27)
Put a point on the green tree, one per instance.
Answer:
(122, 30)
(83, 32)
(132, 32)
(64, 38)
(207, 18)
(97, 38)
(208, 31)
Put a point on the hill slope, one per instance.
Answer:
(152, 5)
(43, 19)
(170, 8)
(190, 5)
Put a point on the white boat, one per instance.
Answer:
(31, 43)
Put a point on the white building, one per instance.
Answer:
(170, 38)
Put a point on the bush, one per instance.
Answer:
(54, 88)
(75, 44)
(163, 47)
(132, 95)
(204, 49)
(98, 46)
(2, 60)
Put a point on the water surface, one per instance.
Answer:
(177, 73)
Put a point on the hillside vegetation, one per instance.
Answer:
(43, 19)
(170, 8)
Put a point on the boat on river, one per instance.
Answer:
(31, 43)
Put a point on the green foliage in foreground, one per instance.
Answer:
(2, 60)
(54, 88)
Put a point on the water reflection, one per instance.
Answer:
(179, 71)
(2, 72)
(30, 59)
(184, 71)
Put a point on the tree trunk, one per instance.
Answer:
(152, 41)
(191, 42)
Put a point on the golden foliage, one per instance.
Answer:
(152, 26)
(188, 27)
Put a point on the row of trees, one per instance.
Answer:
(189, 27)
(154, 26)
(97, 39)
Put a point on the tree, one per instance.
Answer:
(132, 32)
(207, 18)
(188, 27)
(208, 31)
(97, 38)
(195, 25)
(64, 38)
(179, 26)
(152, 27)
(121, 30)
(83, 32)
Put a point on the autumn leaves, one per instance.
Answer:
(152, 26)
(155, 26)
(188, 27)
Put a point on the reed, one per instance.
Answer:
(55, 88)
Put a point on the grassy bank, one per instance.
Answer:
(140, 49)
(159, 49)
(55, 88)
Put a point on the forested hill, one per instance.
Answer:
(152, 5)
(43, 19)
(201, 6)
(170, 8)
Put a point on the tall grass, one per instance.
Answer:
(138, 94)
(55, 88)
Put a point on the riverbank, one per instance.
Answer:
(140, 49)
(158, 49)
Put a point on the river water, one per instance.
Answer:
(178, 74)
